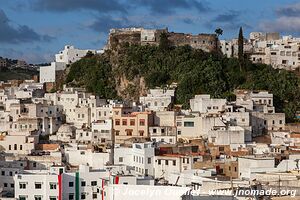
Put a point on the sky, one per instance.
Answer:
(34, 30)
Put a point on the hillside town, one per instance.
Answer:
(72, 144)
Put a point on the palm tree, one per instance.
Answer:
(219, 31)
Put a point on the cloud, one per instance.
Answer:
(230, 16)
(103, 23)
(287, 20)
(31, 56)
(292, 10)
(166, 7)
(161, 7)
(230, 20)
(188, 21)
(282, 24)
(18, 34)
(102, 6)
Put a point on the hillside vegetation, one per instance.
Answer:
(129, 71)
(17, 73)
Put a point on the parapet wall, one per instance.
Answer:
(140, 36)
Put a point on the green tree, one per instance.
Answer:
(164, 43)
(219, 31)
(241, 48)
(89, 54)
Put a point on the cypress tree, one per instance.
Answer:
(241, 48)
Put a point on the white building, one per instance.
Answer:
(57, 184)
(233, 136)
(76, 155)
(249, 164)
(174, 163)
(49, 73)
(205, 104)
(18, 143)
(140, 156)
(158, 99)
(196, 126)
(70, 54)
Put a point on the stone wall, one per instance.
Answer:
(205, 42)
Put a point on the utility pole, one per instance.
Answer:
(279, 186)
(231, 182)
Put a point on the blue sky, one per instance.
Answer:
(34, 30)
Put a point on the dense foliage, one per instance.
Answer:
(194, 70)
(94, 73)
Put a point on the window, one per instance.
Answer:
(52, 198)
(82, 183)
(52, 186)
(280, 121)
(12, 185)
(117, 133)
(124, 122)
(22, 197)
(71, 196)
(10, 173)
(159, 162)
(117, 123)
(94, 183)
(188, 124)
(141, 133)
(142, 122)
(120, 159)
(38, 186)
(15, 147)
(174, 162)
(71, 184)
(149, 160)
(5, 184)
(132, 122)
(94, 195)
(3, 173)
(37, 198)
(167, 162)
(187, 160)
(129, 132)
(21, 147)
(22, 185)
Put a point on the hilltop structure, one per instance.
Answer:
(141, 36)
